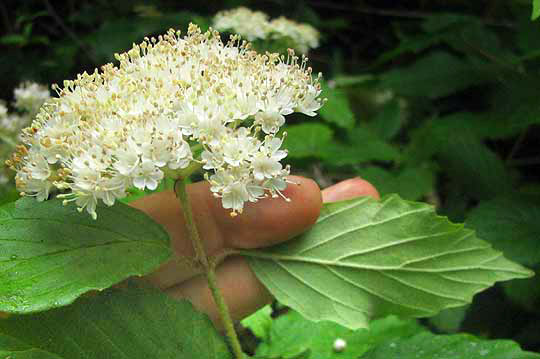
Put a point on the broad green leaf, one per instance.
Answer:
(525, 292)
(259, 322)
(411, 183)
(449, 320)
(315, 340)
(121, 324)
(536, 9)
(8, 195)
(464, 157)
(366, 258)
(389, 120)
(511, 224)
(336, 110)
(15, 349)
(436, 75)
(431, 346)
(307, 140)
(364, 146)
(50, 254)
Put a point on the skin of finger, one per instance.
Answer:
(243, 292)
(348, 189)
(264, 223)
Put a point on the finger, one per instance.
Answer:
(348, 189)
(264, 223)
(239, 286)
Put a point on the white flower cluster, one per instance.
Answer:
(134, 124)
(29, 97)
(304, 36)
(255, 25)
(251, 25)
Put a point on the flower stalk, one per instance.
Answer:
(209, 269)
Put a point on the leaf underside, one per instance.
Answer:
(367, 258)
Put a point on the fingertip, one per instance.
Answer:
(348, 189)
(274, 220)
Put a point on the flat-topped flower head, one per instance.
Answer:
(250, 24)
(255, 25)
(134, 124)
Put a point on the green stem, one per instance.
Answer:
(209, 269)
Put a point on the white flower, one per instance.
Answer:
(234, 196)
(29, 96)
(129, 126)
(270, 121)
(255, 25)
(250, 24)
(147, 175)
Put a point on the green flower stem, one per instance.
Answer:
(209, 269)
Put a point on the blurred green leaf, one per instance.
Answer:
(336, 110)
(535, 10)
(525, 292)
(435, 75)
(464, 157)
(388, 121)
(307, 140)
(364, 145)
(410, 183)
(511, 224)
(11, 348)
(14, 39)
(117, 34)
(449, 320)
(316, 340)
(431, 346)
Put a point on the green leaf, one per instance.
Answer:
(50, 254)
(259, 322)
(466, 159)
(307, 140)
(366, 258)
(315, 340)
(364, 146)
(431, 346)
(411, 183)
(535, 10)
(436, 75)
(388, 121)
(525, 292)
(510, 223)
(14, 349)
(121, 324)
(336, 110)
(449, 320)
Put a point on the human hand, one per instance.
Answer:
(262, 224)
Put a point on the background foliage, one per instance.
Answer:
(433, 100)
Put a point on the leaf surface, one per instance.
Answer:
(315, 340)
(121, 324)
(431, 346)
(336, 110)
(14, 349)
(510, 223)
(365, 258)
(50, 254)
